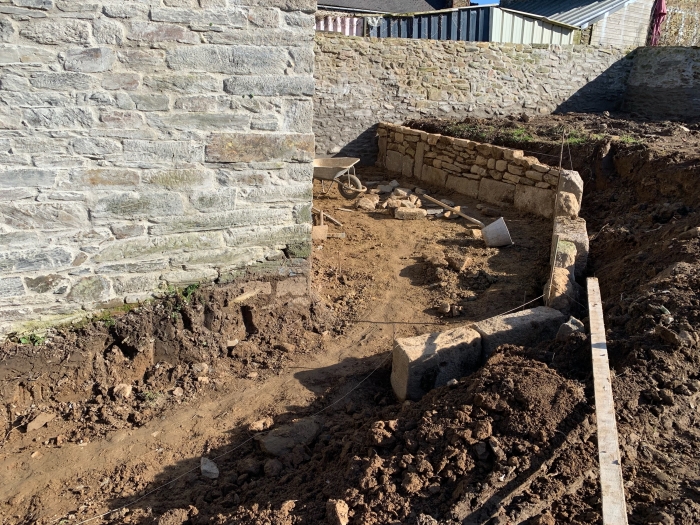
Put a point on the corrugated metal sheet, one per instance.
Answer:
(468, 24)
(578, 13)
(384, 6)
(349, 26)
(511, 27)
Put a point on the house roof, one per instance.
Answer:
(578, 13)
(385, 6)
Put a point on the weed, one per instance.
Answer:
(576, 138)
(518, 135)
(32, 339)
(629, 139)
(149, 397)
(107, 319)
(189, 292)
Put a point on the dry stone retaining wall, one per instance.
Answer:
(490, 173)
(149, 143)
(362, 81)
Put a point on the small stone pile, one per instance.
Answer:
(405, 203)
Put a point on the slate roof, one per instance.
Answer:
(385, 6)
(577, 13)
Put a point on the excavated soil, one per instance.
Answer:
(299, 417)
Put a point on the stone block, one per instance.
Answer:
(418, 163)
(571, 182)
(232, 60)
(152, 33)
(163, 151)
(526, 328)
(151, 102)
(560, 291)
(407, 166)
(434, 176)
(11, 287)
(266, 86)
(496, 192)
(427, 361)
(565, 256)
(60, 81)
(574, 231)
(567, 205)
(244, 147)
(394, 161)
(501, 165)
(90, 290)
(30, 178)
(57, 31)
(91, 60)
(410, 214)
(463, 185)
(186, 277)
(133, 205)
(46, 283)
(534, 200)
(58, 118)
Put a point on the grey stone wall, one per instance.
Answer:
(665, 83)
(149, 143)
(361, 81)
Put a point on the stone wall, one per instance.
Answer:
(682, 24)
(147, 144)
(489, 173)
(665, 83)
(362, 81)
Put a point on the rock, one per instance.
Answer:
(560, 291)
(406, 204)
(546, 518)
(420, 191)
(572, 326)
(232, 343)
(450, 214)
(693, 233)
(367, 204)
(410, 214)
(92, 60)
(273, 468)
(459, 263)
(122, 391)
(490, 212)
(261, 424)
(282, 440)
(668, 335)
(208, 468)
(174, 517)
(249, 466)
(567, 205)
(178, 392)
(444, 308)
(337, 512)
(391, 203)
(200, 369)
(39, 421)
(425, 519)
(427, 361)
(401, 193)
(394, 184)
(385, 188)
(437, 260)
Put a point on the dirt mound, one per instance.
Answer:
(510, 440)
(122, 369)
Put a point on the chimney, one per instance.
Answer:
(459, 3)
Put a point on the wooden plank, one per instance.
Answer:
(611, 483)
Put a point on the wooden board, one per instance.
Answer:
(611, 482)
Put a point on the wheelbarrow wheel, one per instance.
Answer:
(347, 185)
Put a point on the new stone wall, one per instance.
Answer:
(149, 143)
(489, 173)
(362, 81)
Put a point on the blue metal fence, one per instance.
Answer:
(470, 24)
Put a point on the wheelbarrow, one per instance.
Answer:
(340, 170)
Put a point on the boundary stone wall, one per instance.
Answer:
(493, 174)
(362, 81)
(147, 144)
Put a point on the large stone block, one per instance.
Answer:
(427, 361)
(135, 205)
(571, 181)
(433, 176)
(91, 289)
(27, 178)
(58, 31)
(91, 60)
(145, 32)
(394, 161)
(58, 118)
(61, 81)
(534, 200)
(574, 231)
(527, 328)
(463, 185)
(44, 216)
(35, 260)
(232, 60)
(163, 151)
(246, 147)
(145, 247)
(496, 192)
(270, 86)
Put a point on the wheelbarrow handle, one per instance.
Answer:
(454, 210)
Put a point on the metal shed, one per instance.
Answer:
(515, 27)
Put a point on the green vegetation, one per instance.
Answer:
(518, 135)
(33, 339)
(629, 139)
